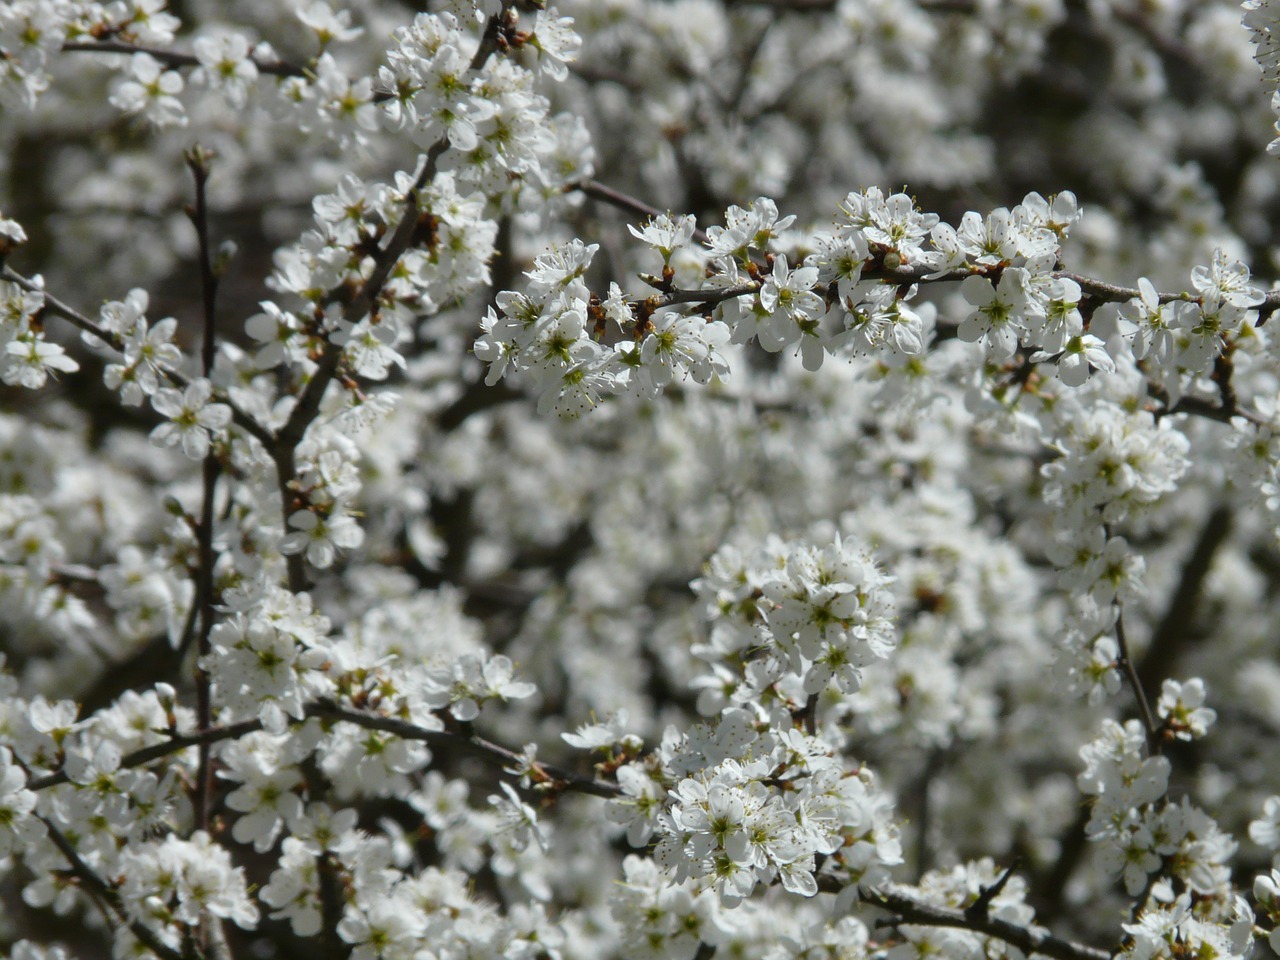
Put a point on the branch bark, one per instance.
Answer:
(1028, 939)
(494, 754)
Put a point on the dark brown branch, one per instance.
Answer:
(198, 160)
(286, 474)
(709, 296)
(1197, 407)
(485, 750)
(1173, 633)
(492, 753)
(1114, 293)
(156, 751)
(980, 908)
(616, 198)
(1028, 939)
(172, 58)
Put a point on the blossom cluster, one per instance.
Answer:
(794, 618)
(1137, 832)
(754, 813)
(548, 333)
(272, 662)
(851, 296)
(730, 807)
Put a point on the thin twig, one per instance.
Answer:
(486, 750)
(172, 58)
(1125, 662)
(708, 296)
(60, 308)
(1167, 640)
(107, 895)
(616, 198)
(1198, 407)
(492, 753)
(157, 751)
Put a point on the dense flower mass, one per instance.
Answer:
(639, 479)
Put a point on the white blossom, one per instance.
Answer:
(192, 418)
